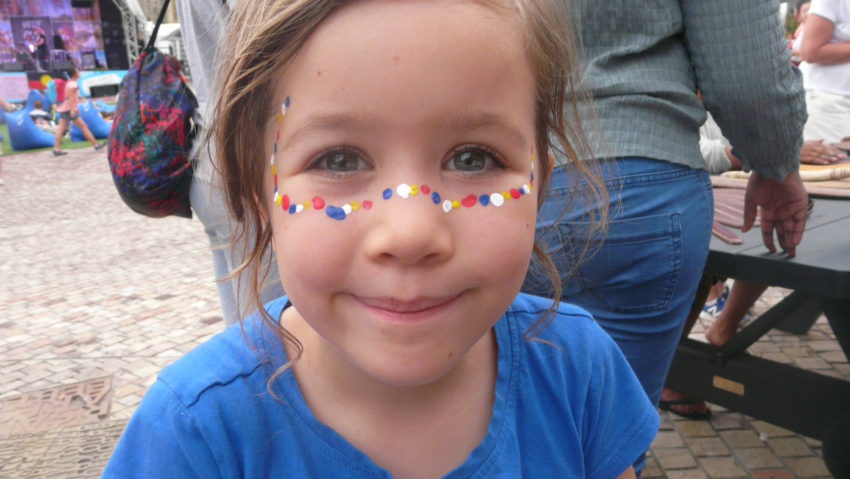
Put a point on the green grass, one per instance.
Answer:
(67, 144)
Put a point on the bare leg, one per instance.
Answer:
(61, 128)
(742, 296)
(85, 129)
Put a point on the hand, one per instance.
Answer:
(783, 208)
(814, 152)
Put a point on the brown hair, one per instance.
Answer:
(262, 38)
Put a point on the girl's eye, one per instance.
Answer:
(473, 159)
(341, 160)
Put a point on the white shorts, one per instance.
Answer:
(829, 116)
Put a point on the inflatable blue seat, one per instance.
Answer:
(97, 125)
(35, 95)
(23, 134)
(104, 108)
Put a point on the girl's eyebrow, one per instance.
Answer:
(361, 123)
(331, 122)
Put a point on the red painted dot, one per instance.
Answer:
(318, 203)
(424, 189)
(277, 136)
(366, 205)
(515, 194)
(285, 203)
(469, 201)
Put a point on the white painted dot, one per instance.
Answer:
(276, 196)
(283, 109)
(347, 209)
(447, 206)
(271, 160)
(299, 208)
(496, 199)
(403, 190)
(526, 188)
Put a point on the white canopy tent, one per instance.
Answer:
(133, 20)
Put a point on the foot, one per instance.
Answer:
(712, 309)
(683, 405)
(99, 146)
(59, 152)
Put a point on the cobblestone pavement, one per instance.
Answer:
(95, 300)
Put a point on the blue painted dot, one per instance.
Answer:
(435, 197)
(484, 200)
(275, 147)
(292, 209)
(532, 177)
(521, 191)
(286, 102)
(387, 193)
(335, 213)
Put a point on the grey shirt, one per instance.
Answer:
(643, 62)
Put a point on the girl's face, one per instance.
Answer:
(436, 95)
(803, 13)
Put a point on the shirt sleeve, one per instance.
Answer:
(162, 440)
(824, 8)
(748, 84)
(619, 421)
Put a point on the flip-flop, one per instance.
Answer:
(688, 401)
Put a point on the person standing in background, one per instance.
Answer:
(825, 50)
(643, 63)
(69, 112)
(201, 24)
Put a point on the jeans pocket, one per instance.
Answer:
(634, 270)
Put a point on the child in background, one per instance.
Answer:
(69, 112)
(41, 118)
(393, 154)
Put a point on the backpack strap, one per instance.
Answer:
(159, 19)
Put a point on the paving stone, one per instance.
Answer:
(722, 468)
(707, 446)
(772, 474)
(667, 439)
(814, 363)
(756, 457)
(686, 474)
(674, 458)
(770, 430)
(809, 467)
(743, 438)
(652, 469)
(695, 429)
(724, 421)
(789, 447)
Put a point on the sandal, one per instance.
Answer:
(688, 401)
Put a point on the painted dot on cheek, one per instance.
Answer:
(514, 194)
(447, 206)
(469, 201)
(484, 200)
(403, 190)
(318, 203)
(335, 213)
(367, 205)
(387, 194)
(347, 209)
(292, 209)
(497, 199)
(435, 197)
(284, 203)
(425, 190)
(414, 190)
(455, 204)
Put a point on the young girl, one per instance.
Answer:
(393, 155)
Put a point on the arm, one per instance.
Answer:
(742, 68)
(628, 474)
(6, 105)
(816, 47)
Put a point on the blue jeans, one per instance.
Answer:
(640, 283)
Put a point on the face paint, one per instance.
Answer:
(404, 191)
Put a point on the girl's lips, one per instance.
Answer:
(414, 306)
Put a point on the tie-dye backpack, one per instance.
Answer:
(152, 134)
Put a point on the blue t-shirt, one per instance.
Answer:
(570, 408)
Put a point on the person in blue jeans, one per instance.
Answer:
(643, 63)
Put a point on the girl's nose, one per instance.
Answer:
(410, 231)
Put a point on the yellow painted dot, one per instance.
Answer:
(414, 190)
(278, 200)
(279, 119)
(274, 171)
(306, 205)
(355, 206)
(455, 204)
(506, 195)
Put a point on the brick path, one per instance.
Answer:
(95, 300)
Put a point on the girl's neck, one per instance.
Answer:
(425, 430)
